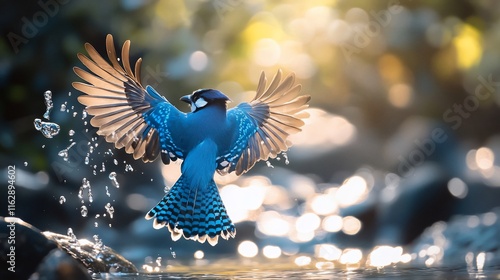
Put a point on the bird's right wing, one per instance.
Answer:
(126, 113)
(264, 124)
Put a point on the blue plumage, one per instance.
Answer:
(209, 139)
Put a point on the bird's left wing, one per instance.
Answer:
(126, 113)
(264, 124)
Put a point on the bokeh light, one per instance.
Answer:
(271, 252)
(248, 249)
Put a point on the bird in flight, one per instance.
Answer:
(209, 139)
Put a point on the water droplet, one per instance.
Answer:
(96, 224)
(285, 155)
(69, 93)
(268, 163)
(64, 153)
(158, 261)
(84, 114)
(87, 160)
(97, 216)
(173, 253)
(103, 168)
(74, 114)
(62, 199)
(112, 177)
(63, 107)
(48, 102)
(110, 210)
(128, 168)
(115, 162)
(25, 163)
(167, 189)
(107, 192)
(71, 132)
(48, 129)
(84, 211)
(85, 186)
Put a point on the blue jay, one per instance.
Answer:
(208, 139)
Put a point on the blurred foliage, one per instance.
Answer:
(379, 62)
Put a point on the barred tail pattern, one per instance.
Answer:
(195, 213)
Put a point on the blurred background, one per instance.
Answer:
(403, 130)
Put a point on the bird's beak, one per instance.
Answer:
(186, 98)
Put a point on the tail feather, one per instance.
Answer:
(195, 213)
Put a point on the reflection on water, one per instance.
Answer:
(306, 267)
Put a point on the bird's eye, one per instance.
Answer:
(200, 102)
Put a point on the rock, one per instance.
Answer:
(96, 257)
(469, 239)
(25, 252)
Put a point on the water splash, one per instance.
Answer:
(48, 129)
(107, 192)
(48, 102)
(269, 164)
(62, 199)
(71, 235)
(64, 153)
(112, 177)
(98, 245)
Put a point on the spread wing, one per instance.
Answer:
(126, 113)
(265, 123)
